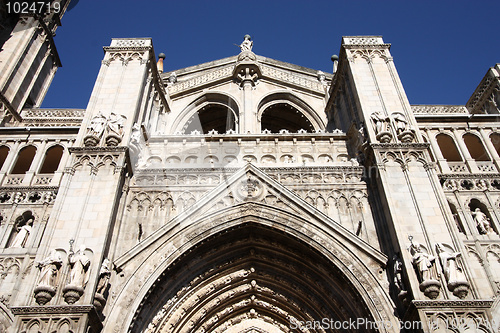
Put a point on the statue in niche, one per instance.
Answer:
(102, 285)
(448, 262)
(455, 279)
(423, 261)
(49, 267)
(104, 275)
(97, 125)
(22, 234)
(79, 267)
(482, 221)
(398, 269)
(247, 44)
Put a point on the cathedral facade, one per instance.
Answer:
(243, 195)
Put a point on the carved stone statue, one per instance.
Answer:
(422, 261)
(49, 267)
(247, 44)
(104, 275)
(455, 279)
(379, 122)
(79, 267)
(398, 270)
(448, 262)
(115, 124)
(400, 123)
(97, 125)
(102, 284)
(22, 235)
(114, 128)
(482, 221)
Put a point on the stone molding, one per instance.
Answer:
(439, 109)
(54, 309)
(453, 304)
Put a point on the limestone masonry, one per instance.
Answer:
(243, 195)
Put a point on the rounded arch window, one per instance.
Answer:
(283, 116)
(52, 159)
(475, 147)
(213, 117)
(448, 148)
(24, 160)
(4, 152)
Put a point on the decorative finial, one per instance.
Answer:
(335, 59)
(159, 65)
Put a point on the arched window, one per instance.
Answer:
(495, 140)
(24, 160)
(4, 151)
(448, 148)
(211, 117)
(475, 147)
(52, 159)
(284, 116)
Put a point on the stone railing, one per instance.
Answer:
(53, 113)
(458, 167)
(439, 109)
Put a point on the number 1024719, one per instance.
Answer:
(32, 7)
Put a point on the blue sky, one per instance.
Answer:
(442, 49)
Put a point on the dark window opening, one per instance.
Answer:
(475, 147)
(52, 159)
(4, 151)
(448, 148)
(210, 118)
(24, 160)
(283, 116)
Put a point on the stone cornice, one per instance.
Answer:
(453, 304)
(93, 150)
(126, 48)
(469, 175)
(28, 188)
(419, 145)
(55, 309)
(333, 168)
(368, 46)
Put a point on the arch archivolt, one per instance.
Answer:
(245, 263)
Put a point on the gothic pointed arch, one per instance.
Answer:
(249, 261)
